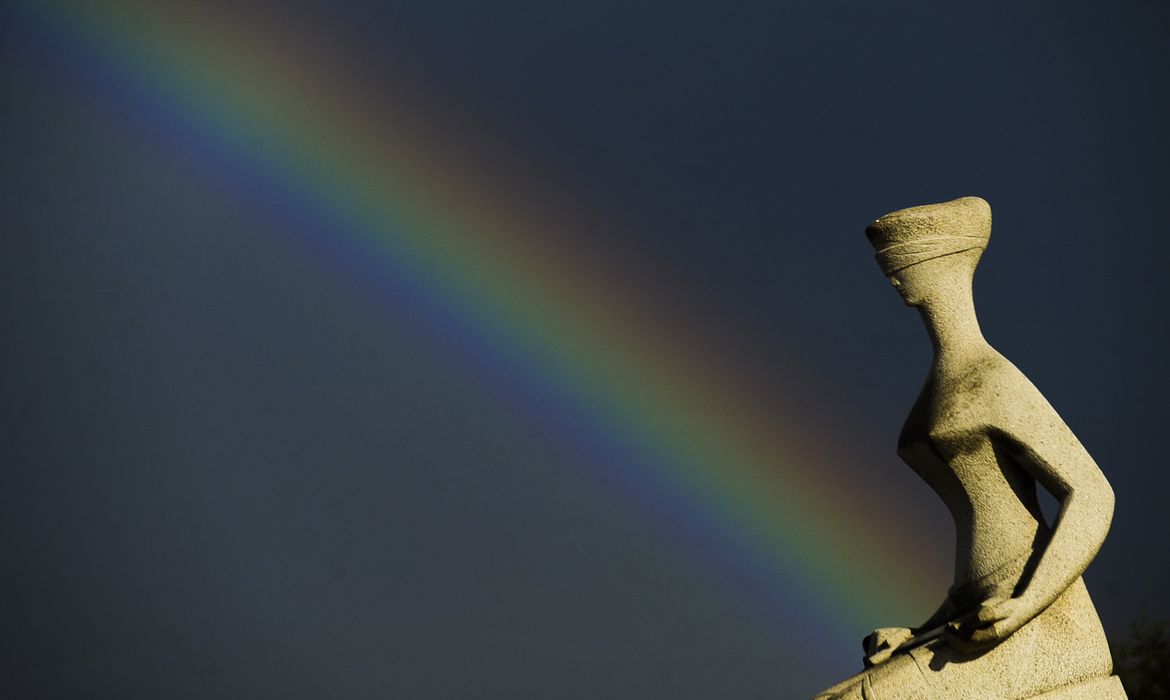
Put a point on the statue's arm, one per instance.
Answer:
(881, 645)
(1036, 437)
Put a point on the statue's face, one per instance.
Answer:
(923, 282)
(909, 285)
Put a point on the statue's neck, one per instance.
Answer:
(954, 330)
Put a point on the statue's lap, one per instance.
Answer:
(1065, 645)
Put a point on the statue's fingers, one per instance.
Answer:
(1002, 610)
(980, 638)
(967, 620)
(990, 613)
(897, 642)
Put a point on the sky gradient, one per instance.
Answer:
(438, 350)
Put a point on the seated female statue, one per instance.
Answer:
(1018, 622)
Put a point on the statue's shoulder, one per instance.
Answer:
(1004, 393)
(985, 394)
(990, 375)
(988, 386)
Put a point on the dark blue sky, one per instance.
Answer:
(226, 474)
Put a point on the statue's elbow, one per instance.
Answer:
(1100, 501)
(1094, 502)
(1108, 500)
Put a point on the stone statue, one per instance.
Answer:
(1018, 622)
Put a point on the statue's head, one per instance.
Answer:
(925, 250)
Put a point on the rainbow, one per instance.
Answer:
(408, 206)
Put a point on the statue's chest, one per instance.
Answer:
(945, 441)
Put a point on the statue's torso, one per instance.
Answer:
(947, 440)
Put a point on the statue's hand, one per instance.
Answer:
(882, 643)
(990, 624)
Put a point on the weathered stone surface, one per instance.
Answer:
(1097, 689)
(1018, 622)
